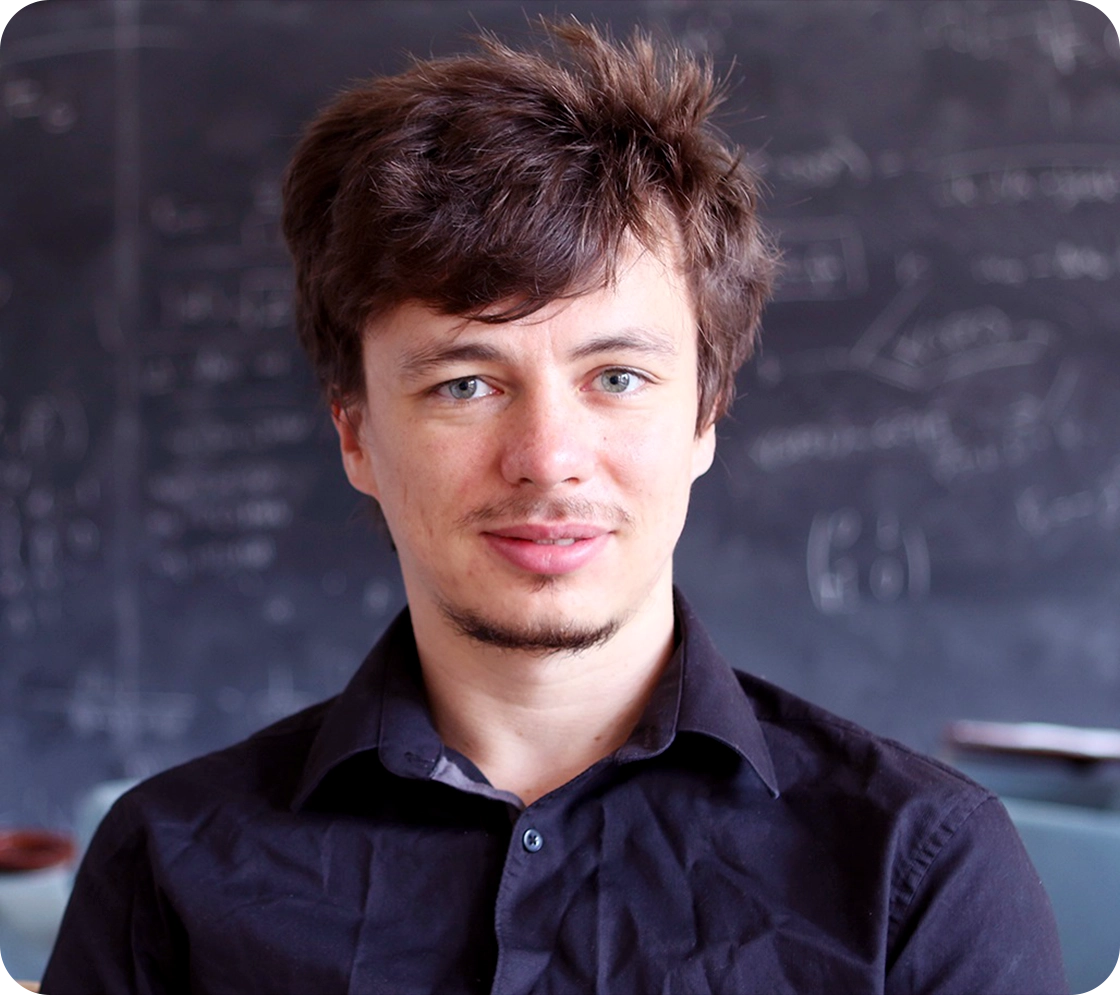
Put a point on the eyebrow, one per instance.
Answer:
(419, 363)
(641, 340)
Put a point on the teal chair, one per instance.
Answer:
(1061, 787)
(1076, 852)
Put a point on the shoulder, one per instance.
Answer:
(878, 801)
(964, 908)
(814, 749)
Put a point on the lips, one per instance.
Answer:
(550, 549)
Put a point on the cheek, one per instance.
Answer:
(436, 481)
(656, 468)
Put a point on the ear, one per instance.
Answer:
(704, 450)
(355, 456)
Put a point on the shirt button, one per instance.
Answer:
(532, 840)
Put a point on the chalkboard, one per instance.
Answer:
(915, 511)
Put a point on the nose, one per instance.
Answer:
(548, 440)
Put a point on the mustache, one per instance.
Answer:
(522, 509)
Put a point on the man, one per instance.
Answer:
(526, 281)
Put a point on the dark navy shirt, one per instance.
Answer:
(741, 841)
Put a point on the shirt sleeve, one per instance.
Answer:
(976, 918)
(119, 934)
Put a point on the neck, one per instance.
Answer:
(532, 721)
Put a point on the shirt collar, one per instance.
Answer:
(384, 708)
(713, 702)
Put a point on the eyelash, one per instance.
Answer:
(444, 389)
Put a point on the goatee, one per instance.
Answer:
(543, 638)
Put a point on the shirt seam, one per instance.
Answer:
(922, 861)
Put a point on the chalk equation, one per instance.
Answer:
(260, 431)
(253, 553)
(27, 99)
(850, 560)
(921, 355)
(277, 699)
(1015, 432)
(1063, 176)
(99, 703)
(252, 300)
(219, 235)
(1040, 514)
(1066, 261)
(824, 166)
(822, 259)
(212, 366)
(990, 32)
(50, 503)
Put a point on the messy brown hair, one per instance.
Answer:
(488, 185)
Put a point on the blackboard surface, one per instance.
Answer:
(915, 512)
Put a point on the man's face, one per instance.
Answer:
(535, 474)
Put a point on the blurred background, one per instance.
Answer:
(914, 516)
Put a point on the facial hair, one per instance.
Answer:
(544, 638)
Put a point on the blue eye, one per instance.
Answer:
(618, 381)
(465, 389)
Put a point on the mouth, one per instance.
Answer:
(548, 548)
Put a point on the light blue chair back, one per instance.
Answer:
(1076, 852)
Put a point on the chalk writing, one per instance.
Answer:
(279, 698)
(261, 299)
(818, 168)
(99, 704)
(986, 32)
(182, 485)
(934, 351)
(211, 367)
(1040, 515)
(776, 448)
(261, 228)
(161, 471)
(237, 241)
(262, 513)
(930, 352)
(170, 217)
(46, 534)
(25, 98)
(822, 259)
(891, 560)
(1064, 176)
(220, 557)
(1066, 261)
(264, 431)
(1025, 427)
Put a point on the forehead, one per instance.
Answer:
(646, 306)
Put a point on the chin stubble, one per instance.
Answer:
(543, 638)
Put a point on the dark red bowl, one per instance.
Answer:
(33, 849)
